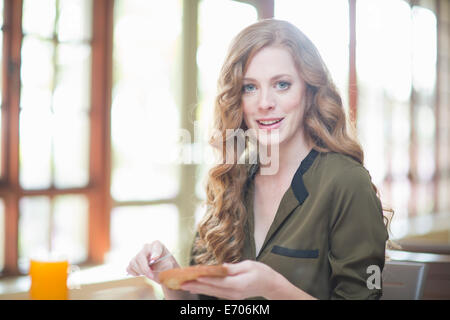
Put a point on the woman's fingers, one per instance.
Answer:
(243, 280)
(142, 262)
(139, 265)
(216, 283)
(157, 250)
(129, 271)
(236, 268)
(211, 288)
(133, 268)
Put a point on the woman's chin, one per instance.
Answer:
(267, 143)
(268, 136)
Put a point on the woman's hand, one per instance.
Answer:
(139, 265)
(245, 279)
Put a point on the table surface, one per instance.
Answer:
(134, 288)
(105, 282)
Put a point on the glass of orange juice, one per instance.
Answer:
(49, 274)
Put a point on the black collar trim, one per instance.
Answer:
(297, 184)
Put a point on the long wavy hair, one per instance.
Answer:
(221, 232)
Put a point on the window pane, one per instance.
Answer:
(424, 79)
(60, 225)
(72, 91)
(145, 115)
(424, 76)
(425, 197)
(214, 40)
(35, 116)
(425, 49)
(331, 41)
(383, 51)
(36, 73)
(75, 20)
(1, 10)
(55, 99)
(35, 148)
(384, 24)
(201, 180)
(34, 228)
(71, 153)
(401, 193)
(70, 233)
(132, 227)
(200, 211)
(388, 106)
(1, 102)
(66, 136)
(1, 86)
(2, 234)
(39, 17)
(426, 140)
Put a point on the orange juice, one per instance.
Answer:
(48, 280)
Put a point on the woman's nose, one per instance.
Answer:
(267, 99)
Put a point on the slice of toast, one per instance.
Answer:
(174, 278)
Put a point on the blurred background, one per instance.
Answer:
(94, 92)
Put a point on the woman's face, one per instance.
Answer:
(272, 95)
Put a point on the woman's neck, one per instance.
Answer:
(289, 155)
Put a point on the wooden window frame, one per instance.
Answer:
(10, 189)
(98, 189)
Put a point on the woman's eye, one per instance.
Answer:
(283, 85)
(248, 88)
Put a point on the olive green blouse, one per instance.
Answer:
(327, 231)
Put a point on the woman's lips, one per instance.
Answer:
(269, 124)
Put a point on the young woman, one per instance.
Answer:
(313, 229)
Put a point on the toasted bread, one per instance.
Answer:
(174, 278)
